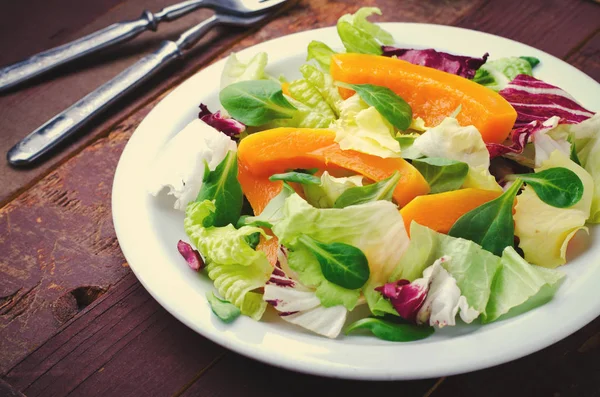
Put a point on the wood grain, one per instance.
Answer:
(68, 299)
(25, 109)
(126, 344)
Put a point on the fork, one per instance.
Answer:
(70, 120)
(117, 33)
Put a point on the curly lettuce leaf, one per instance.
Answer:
(321, 115)
(498, 73)
(235, 70)
(455, 142)
(363, 129)
(361, 36)
(323, 83)
(376, 228)
(321, 53)
(545, 231)
(324, 194)
(231, 263)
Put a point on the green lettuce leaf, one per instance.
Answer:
(321, 114)
(235, 70)
(361, 128)
(472, 266)
(587, 143)
(497, 74)
(316, 99)
(321, 53)
(232, 264)
(544, 231)
(455, 142)
(273, 212)
(324, 194)
(307, 267)
(360, 35)
(323, 82)
(492, 285)
(375, 228)
(516, 282)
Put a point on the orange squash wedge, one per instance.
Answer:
(440, 211)
(270, 248)
(432, 94)
(273, 151)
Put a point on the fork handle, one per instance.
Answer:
(66, 123)
(40, 63)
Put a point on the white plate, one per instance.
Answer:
(148, 230)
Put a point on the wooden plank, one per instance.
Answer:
(235, 375)
(568, 368)
(31, 26)
(554, 26)
(124, 345)
(66, 218)
(65, 221)
(24, 110)
(7, 390)
(587, 58)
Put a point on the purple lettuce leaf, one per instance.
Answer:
(406, 297)
(535, 100)
(456, 64)
(519, 138)
(228, 126)
(191, 256)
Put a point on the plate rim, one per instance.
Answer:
(283, 360)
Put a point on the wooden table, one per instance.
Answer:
(73, 318)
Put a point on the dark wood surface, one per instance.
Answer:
(73, 318)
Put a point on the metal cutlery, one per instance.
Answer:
(66, 123)
(120, 32)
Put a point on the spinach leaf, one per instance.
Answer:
(223, 309)
(256, 102)
(298, 177)
(321, 53)
(222, 186)
(391, 331)
(393, 108)
(341, 264)
(381, 190)
(559, 187)
(490, 225)
(442, 174)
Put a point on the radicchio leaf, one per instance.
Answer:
(299, 305)
(519, 137)
(191, 256)
(535, 100)
(460, 65)
(406, 297)
(435, 298)
(228, 126)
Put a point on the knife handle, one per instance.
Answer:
(40, 63)
(66, 123)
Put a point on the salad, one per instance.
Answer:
(430, 188)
